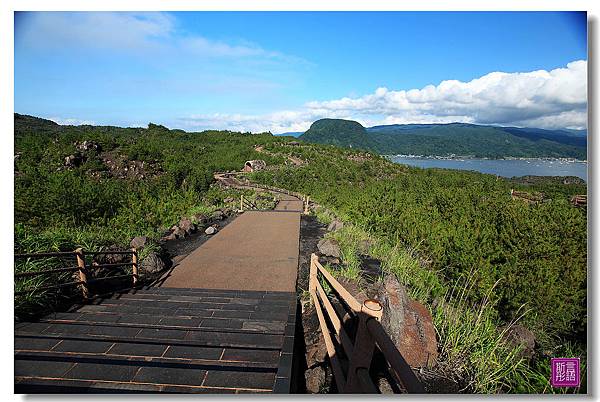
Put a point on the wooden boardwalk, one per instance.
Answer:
(161, 340)
(222, 321)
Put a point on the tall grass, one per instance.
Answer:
(471, 345)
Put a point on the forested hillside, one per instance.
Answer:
(450, 139)
(344, 133)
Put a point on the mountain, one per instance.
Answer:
(346, 133)
(459, 139)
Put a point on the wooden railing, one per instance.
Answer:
(305, 198)
(247, 205)
(579, 200)
(82, 268)
(355, 353)
(228, 177)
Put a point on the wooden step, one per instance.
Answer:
(160, 340)
(184, 323)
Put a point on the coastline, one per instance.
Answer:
(471, 157)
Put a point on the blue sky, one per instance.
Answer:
(280, 71)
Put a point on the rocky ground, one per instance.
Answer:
(179, 248)
(314, 373)
(311, 232)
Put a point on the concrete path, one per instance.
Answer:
(289, 203)
(258, 251)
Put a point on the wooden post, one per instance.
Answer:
(312, 279)
(134, 266)
(242, 203)
(306, 211)
(82, 273)
(364, 346)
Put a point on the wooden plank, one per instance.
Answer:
(108, 252)
(82, 273)
(337, 324)
(134, 266)
(364, 346)
(344, 294)
(366, 383)
(340, 379)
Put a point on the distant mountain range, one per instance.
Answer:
(290, 134)
(459, 139)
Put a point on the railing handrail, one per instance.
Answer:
(81, 267)
(370, 333)
(45, 255)
(305, 198)
(245, 203)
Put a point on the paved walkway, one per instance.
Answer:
(289, 203)
(257, 251)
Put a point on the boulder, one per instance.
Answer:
(72, 161)
(335, 225)
(364, 246)
(315, 379)
(108, 258)
(408, 323)
(187, 226)
(170, 236)
(518, 335)
(151, 264)
(218, 215)
(371, 269)
(199, 218)
(329, 247)
(316, 353)
(86, 146)
(139, 242)
(211, 230)
(178, 232)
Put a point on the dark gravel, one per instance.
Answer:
(184, 246)
(311, 231)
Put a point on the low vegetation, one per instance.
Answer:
(477, 258)
(458, 239)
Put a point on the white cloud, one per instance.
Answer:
(71, 121)
(545, 99)
(278, 122)
(124, 31)
(151, 33)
